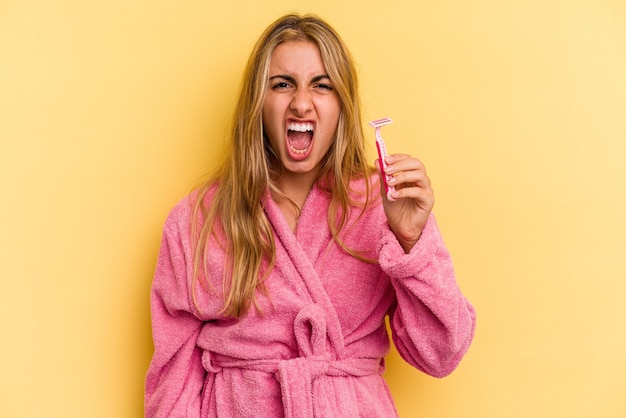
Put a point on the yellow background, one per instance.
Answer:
(110, 111)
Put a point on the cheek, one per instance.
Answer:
(333, 109)
(273, 137)
(272, 115)
(334, 117)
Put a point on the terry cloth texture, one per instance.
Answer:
(318, 346)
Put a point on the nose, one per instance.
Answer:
(301, 102)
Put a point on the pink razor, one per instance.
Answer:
(382, 153)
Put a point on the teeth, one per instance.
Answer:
(298, 151)
(300, 127)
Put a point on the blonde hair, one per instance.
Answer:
(251, 167)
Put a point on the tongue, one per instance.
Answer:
(299, 140)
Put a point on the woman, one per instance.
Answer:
(274, 279)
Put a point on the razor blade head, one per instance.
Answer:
(381, 122)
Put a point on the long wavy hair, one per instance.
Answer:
(235, 210)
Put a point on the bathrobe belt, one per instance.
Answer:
(296, 375)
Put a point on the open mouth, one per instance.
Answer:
(299, 138)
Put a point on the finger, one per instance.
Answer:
(391, 158)
(401, 162)
(424, 196)
(411, 178)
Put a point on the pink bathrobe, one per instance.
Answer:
(317, 348)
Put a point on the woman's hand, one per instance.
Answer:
(414, 198)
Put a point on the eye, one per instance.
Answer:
(280, 85)
(323, 86)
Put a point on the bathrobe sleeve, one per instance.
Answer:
(175, 377)
(432, 323)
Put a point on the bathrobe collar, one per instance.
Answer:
(302, 250)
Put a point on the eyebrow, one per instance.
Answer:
(293, 80)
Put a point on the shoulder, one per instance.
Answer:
(367, 202)
(174, 278)
(195, 202)
(178, 217)
(365, 193)
(360, 186)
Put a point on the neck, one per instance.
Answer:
(295, 188)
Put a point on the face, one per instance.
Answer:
(301, 108)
